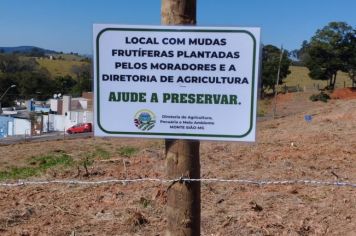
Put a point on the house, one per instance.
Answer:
(57, 114)
(68, 111)
(14, 125)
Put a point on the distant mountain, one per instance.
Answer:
(26, 50)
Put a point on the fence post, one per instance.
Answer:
(25, 134)
(182, 156)
(183, 198)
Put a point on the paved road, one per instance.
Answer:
(44, 137)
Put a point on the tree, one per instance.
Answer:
(64, 84)
(9, 63)
(83, 77)
(35, 84)
(324, 54)
(297, 54)
(31, 80)
(270, 63)
(10, 66)
(6, 82)
(349, 56)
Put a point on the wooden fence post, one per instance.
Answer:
(182, 156)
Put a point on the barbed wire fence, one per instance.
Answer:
(181, 180)
(254, 182)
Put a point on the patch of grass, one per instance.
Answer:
(88, 158)
(48, 161)
(37, 165)
(18, 173)
(263, 106)
(299, 76)
(101, 153)
(59, 67)
(127, 151)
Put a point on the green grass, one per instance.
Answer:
(37, 165)
(18, 173)
(51, 160)
(101, 153)
(127, 151)
(98, 153)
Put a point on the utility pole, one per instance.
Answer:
(182, 156)
(3, 95)
(277, 82)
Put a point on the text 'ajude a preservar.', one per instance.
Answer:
(176, 82)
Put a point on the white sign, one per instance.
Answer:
(176, 82)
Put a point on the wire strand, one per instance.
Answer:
(187, 180)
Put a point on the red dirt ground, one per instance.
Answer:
(287, 148)
(344, 93)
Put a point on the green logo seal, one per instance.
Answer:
(145, 120)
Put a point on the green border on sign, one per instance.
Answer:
(175, 30)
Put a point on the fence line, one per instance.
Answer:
(311, 88)
(172, 181)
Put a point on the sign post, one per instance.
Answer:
(179, 83)
(182, 156)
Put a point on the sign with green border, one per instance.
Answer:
(176, 82)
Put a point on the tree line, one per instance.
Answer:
(331, 50)
(34, 81)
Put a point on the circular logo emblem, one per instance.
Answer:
(145, 120)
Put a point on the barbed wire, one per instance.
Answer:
(187, 180)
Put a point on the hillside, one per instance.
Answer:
(287, 148)
(299, 76)
(57, 63)
(61, 67)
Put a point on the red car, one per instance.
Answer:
(80, 128)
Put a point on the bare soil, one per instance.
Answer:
(345, 93)
(287, 148)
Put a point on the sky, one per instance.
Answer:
(66, 25)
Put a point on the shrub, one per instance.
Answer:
(319, 97)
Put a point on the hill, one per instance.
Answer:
(57, 63)
(26, 50)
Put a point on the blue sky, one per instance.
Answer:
(66, 25)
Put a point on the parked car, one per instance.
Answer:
(80, 128)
